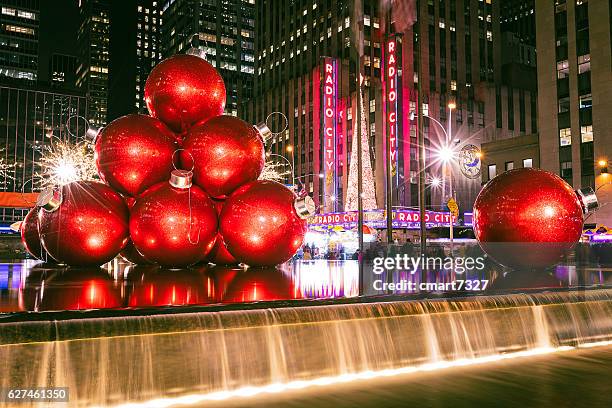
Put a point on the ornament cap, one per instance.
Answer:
(181, 178)
(49, 199)
(263, 130)
(588, 200)
(92, 133)
(196, 52)
(305, 207)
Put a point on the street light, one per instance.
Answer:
(603, 166)
(290, 150)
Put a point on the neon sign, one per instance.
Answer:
(391, 98)
(329, 94)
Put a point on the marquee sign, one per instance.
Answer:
(391, 97)
(377, 219)
(329, 105)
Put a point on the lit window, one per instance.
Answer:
(565, 137)
(586, 101)
(453, 85)
(562, 69)
(372, 105)
(509, 165)
(492, 171)
(366, 20)
(528, 162)
(564, 104)
(584, 63)
(586, 133)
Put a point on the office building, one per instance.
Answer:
(461, 55)
(62, 71)
(19, 33)
(93, 48)
(148, 46)
(225, 29)
(574, 88)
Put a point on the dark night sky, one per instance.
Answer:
(58, 27)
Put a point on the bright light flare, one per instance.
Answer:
(435, 182)
(446, 154)
(65, 162)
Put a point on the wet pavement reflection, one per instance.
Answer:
(27, 285)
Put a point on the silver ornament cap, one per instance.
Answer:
(92, 133)
(49, 199)
(196, 52)
(588, 200)
(181, 179)
(305, 207)
(263, 130)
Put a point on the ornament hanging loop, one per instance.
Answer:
(50, 199)
(182, 179)
(91, 133)
(195, 50)
(268, 124)
(190, 155)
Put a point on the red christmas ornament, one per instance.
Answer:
(261, 284)
(174, 224)
(263, 223)
(83, 223)
(184, 90)
(227, 151)
(158, 287)
(30, 236)
(529, 217)
(134, 152)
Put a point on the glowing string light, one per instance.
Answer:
(64, 162)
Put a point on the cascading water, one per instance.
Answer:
(114, 360)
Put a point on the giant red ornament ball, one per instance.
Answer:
(174, 226)
(260, 225)
(219, 254)
(83, 223)
(527, 218)
(134, 152)
(225, 153)
(30, 236)
(184, 90)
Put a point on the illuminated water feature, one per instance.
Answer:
(134, 346)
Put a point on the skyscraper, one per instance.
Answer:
(574, 87)
(225, 29)
(62, 71)
(148, 46)
(19, 33)
(93, 48)
(459, 62)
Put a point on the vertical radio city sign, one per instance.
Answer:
(392, 95)
(329, 95)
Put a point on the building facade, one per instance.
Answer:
(148, 46)
(62, 71)
(225, 29)
(93, 48)
(461, 54)
(575, 81)
(28, 120)
(19, 33)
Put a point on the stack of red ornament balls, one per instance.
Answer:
(180, 186)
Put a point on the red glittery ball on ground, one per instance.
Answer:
(30, 236)
(260, 225)
(167, 231)
(134, 152)
(225, 153)
(219, 254)
(184, 90)
(89, 227)
(131, 254)
(527, 218)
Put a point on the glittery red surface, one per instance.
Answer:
(184, 90)
(89, 228)
(227, 152)
(259, 224)
(134, 152)
(166, 231)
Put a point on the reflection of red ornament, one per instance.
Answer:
(174, 224)
(527, 218)
(131, 254)
(158, 287)
(77, 289)
(184, 90)
(261, 284)
(29, 235)
(260, 223)
(227, 151)
(87, 224)
(134, 152)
